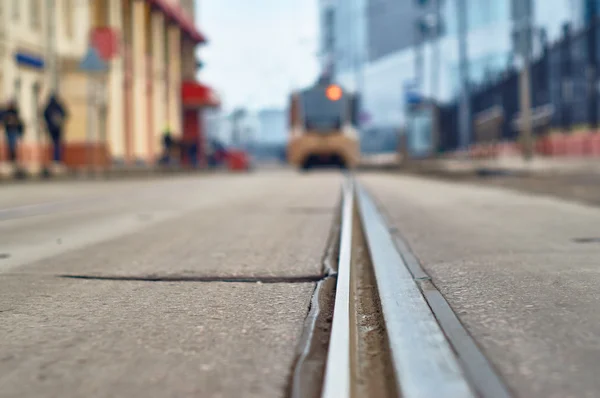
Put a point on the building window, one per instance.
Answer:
(34, 12)
(16, 10)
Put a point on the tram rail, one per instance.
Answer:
(392, 332)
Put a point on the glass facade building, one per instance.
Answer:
(390, 26)
(382, 58)
(343, 34)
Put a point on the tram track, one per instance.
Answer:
(392, 333)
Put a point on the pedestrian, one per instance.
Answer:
(55, 116)
(167, 146)
(13, 129)
(193, 153)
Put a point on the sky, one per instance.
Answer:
(258, 50)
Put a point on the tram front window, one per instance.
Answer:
(320, 113)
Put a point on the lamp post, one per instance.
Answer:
(430, 26)
(465, 97)
(429, 29)
(592, 20)
(436, 27)
(359, 61)
(522, 14)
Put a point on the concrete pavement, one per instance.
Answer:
(88, 305)
(521, 272)
(99, 338)
(581, 187)
(515, 165)
(65, 338)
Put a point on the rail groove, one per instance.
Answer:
(425, 352)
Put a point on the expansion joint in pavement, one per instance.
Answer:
(209, 279)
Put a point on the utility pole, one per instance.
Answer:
(465, 100)
(359, 61)
(420, 31)
(419, 62)
(523, 13)
(592, 20)
(435, 32)
(52, 52)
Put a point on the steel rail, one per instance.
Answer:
(424, 363)
(337, 371)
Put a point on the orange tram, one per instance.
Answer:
(323, 133)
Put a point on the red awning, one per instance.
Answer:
(194, 94)
(176, 14)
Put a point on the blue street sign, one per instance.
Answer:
(412, 96)
(29, 60)
(92, 62)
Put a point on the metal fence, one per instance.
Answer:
(564, 83)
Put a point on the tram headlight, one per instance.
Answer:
(333, 92)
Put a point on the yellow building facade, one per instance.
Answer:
(118, 115)
(24, 45)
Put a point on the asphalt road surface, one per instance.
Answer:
(199, 286)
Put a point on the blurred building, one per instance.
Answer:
(24, 75)
(149, 84)
(272, 126)
(245, 127)
(378, 48)
(343, 33)
(239, 129)
(216, 126)
(390, 26)
(326, 27)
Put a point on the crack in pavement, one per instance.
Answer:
(183, 278)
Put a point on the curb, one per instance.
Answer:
(463, 171)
